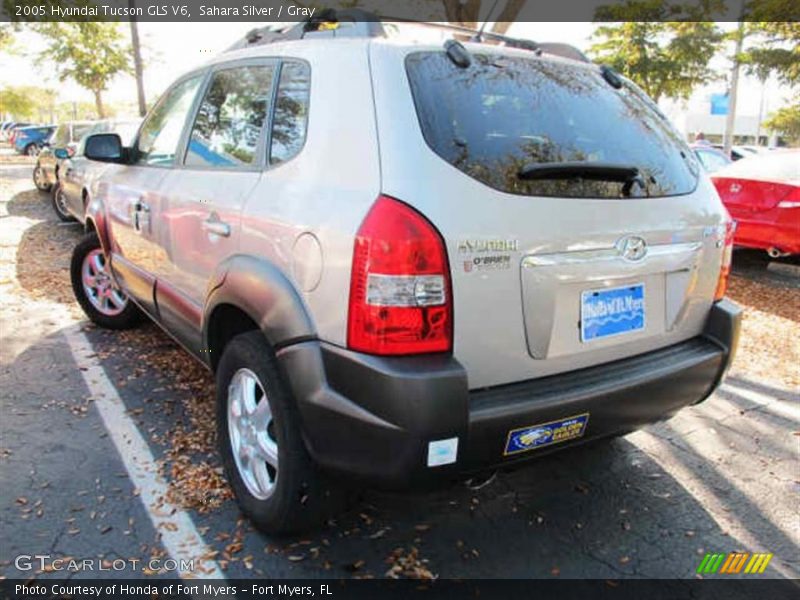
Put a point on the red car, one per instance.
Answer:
(762, 194)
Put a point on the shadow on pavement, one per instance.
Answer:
(602, 510)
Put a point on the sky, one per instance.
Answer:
(171, 49)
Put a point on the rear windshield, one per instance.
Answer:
(501, 114)
(775, 166)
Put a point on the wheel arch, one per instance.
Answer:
(96, 221)
(250, 293)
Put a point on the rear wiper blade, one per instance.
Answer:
(594, 171)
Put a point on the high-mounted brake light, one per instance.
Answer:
(727, 258)
(400, 297)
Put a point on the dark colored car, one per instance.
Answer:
(762, 194)
(66, 136)
(30, 140)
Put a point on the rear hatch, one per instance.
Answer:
(578, 226)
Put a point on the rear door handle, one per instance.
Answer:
(213, 225)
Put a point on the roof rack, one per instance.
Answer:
(361, 23)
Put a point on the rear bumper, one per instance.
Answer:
(372, 418)
(779, 228)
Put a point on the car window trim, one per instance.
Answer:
(203, 75)
(259, 159)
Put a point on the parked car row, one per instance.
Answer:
(63, 169)
(26, 138)
(7, 127)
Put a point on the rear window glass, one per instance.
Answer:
(502, 113)
(776, 165)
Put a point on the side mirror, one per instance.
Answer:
(61, 153)
(104, 147)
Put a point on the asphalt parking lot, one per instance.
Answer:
(107, 452)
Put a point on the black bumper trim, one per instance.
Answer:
(372, 417)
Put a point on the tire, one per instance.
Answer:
(31, 150)
(40, 180)
(300, 496)
(114, 311)
(59, 204)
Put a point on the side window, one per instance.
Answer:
(291, 112)
(158, 140)
(231, 117)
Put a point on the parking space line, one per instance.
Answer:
(179, 536)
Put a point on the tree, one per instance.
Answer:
(786, 122)
(28, 102)
(138, 67)
(6, 36)
(778, 49)
(666, 58)
(91, 54)
(15, 101)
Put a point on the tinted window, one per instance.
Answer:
(504, 113)
(230, 118)
(158, 139)
(291, 112)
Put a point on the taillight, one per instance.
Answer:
(400, 295)
(792, 200)
(727, 258)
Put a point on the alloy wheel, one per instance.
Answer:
(252, 434)
(99, 286)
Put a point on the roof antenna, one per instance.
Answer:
(478, 37)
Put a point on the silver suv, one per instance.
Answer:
(407, 261)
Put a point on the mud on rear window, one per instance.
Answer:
(502, 113)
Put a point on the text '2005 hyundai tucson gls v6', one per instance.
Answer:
(454, 259)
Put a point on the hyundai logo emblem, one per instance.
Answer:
(632, 248)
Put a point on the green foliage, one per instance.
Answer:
(776, 40)
(665, 58)
(6, 37)
(91, 54)
(786, 122)
(27, 102)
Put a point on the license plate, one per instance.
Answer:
(612, 311)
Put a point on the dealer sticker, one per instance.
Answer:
(545, 434)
